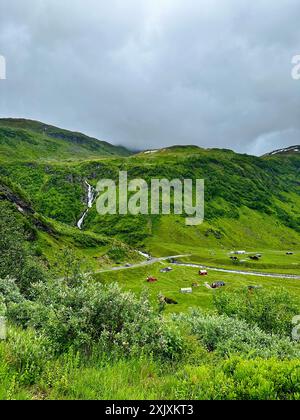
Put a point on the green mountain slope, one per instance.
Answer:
(250, 202)
(31, 140)
(48, 238)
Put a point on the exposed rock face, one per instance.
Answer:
(22, 205)
(24, 208)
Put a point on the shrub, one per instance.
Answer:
(271, 310)
(15, 260)
(238, 379)
(227, 336)
(10, 291)
(27, 353)
(12, 252)
(83, 314)
(2, 306)
(32, 274)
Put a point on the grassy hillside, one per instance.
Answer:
(49, 239)
(242, 194)
(31, 140)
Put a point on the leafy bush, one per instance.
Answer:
(9, 291)
(227, 336)
(238, 379)
(117, 254)
(27, 353)
(12, 252)
(83, 314)
(271, 310)
(2, 306)
(15, 260)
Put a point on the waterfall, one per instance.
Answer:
(81, 220)
(90, 197)
(90, 200)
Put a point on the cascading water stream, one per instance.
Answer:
(90, 201)
(91, 195)
(81, 220)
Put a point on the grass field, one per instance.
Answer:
(170, 284)
(272, 261)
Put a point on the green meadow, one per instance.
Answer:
(170, 284)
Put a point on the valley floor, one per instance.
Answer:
(169, 284)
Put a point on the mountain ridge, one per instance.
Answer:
(91, 147)
(24, 139)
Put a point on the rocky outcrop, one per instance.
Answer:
(25, 208)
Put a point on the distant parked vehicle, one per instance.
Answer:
(166, 270)
(254, 258)
(218, 284)
(187, 290)
(173, 261)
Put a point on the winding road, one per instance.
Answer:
(221, 270)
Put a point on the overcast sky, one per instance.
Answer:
(153, 73)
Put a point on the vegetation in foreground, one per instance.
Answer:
(76, 338)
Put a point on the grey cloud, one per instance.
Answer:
(155, 73)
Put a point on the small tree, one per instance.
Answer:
(12, 237)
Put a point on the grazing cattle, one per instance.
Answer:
(170, 301)
(203, 273)
(152, 280)
(254, 258)
(253, 288)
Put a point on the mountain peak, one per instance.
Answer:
(285, 151)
